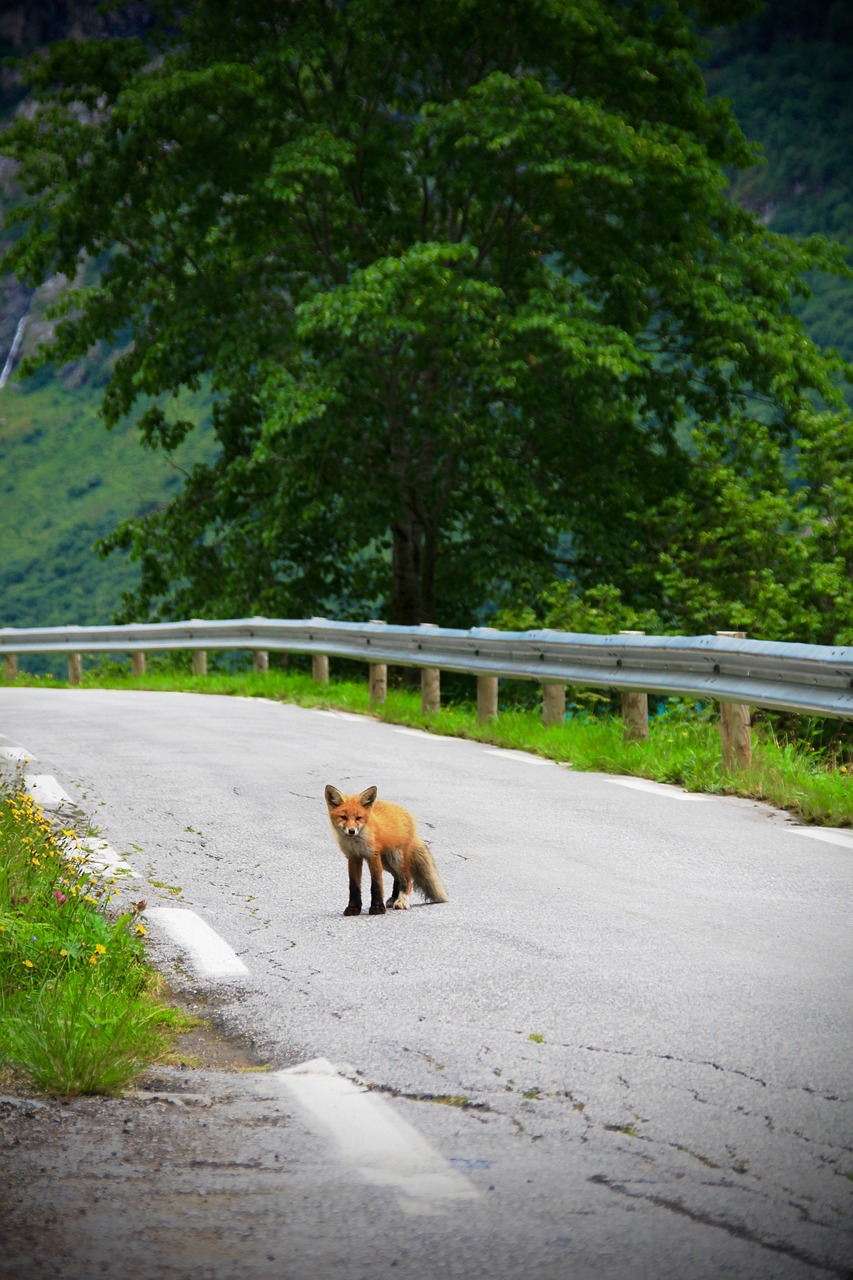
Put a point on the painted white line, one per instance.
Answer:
(383, 1147)
(47, 792)
(343, 715)
(823, 833)
(19, 754)
(102, 855)
(524, 756)
(664, 789)
(209, 954)
(432, 737)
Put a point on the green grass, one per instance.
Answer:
(79, 1013)
(683, 748)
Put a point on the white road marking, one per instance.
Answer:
(823, 833)
(383, 1147)
(18, 754)
(658, 789)
(524, 756)
(209, 954)
(426, 736)
(47, 792)
(102, 855)
(421, 733)
(344, 715)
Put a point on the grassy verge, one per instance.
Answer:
(79, 1011)
(788, 769)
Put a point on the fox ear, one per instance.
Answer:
(367, 797)
(333, 797)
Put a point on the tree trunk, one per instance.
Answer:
(406, 573)
(415, 534)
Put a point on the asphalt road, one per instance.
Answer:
(621, 1050)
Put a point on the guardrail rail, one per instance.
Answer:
(728, 668)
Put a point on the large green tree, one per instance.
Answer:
(457, 271)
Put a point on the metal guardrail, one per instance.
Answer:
(806, 678)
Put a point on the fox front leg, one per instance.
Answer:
(377, 892)
(354, 869)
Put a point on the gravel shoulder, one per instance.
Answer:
(144, 1183)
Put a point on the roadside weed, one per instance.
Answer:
(78, 1010)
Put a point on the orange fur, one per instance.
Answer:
(385, 836)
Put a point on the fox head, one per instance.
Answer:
(349, 813)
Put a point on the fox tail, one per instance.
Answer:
(425, 874)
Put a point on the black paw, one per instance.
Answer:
(378, 909)
(353, 911)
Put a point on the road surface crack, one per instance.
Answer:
(669, 1057)
(462, 1101)
(737, 1230)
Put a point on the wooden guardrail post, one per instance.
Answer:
(10, 666)
(430, 681)
(635, 709)
(553, 703)
(199, 662)
(137, 665)
(260, 662)
(75, 668)
(487, 698)
(734, 726)
(319, 661)
(378, 683)
(377, 672)
(430, 690)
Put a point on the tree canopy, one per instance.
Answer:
(463, 277)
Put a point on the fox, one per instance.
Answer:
(383, 835)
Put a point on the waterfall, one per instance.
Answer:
(13, 351)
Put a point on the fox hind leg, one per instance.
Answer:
(402, 888)
(399, 899)
(401, 892)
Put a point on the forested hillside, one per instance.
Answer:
(788, 73)
(65, 482)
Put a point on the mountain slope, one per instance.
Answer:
(65, 482)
